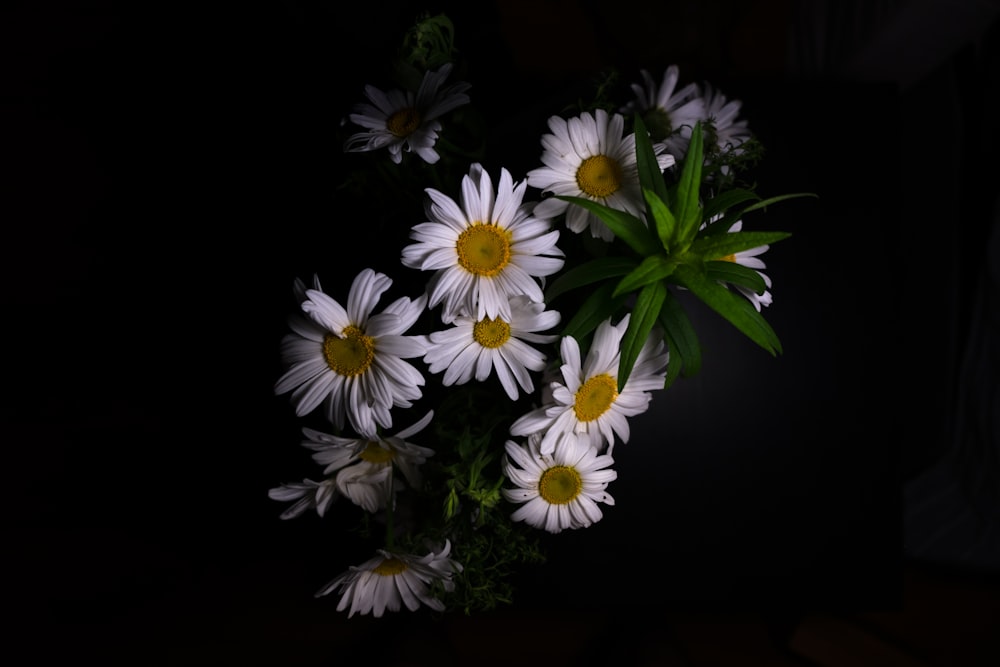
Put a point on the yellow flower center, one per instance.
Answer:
(731, 257)
(350, 355)
(401, 123)
(491, 333)
(390, 567)
(375, 453)
(595, 397)
(483, 249)
(599, 176)
(559, 485)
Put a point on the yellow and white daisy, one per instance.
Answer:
(479, 347)
(362, 466)
(669, 113)
(401, 121)
(590, 157)
(483, 250)
(587, 403)
(350, 360)
(750, 258)
(391, 580)
(558, 491)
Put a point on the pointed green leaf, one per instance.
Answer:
(721, 245)
(664, 220)
(733, 307)
(643, 318)
(736, 274)
(650, 174)
(685, 350)
(625, 226)
(763, 203)
(652, 269)
(687, 207)
(596, 308)
(596, 270)
(726, 200)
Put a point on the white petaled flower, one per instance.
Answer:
(477, 347)
(561, 490)
(350, 360)
(669, 113)
(724, 129)
(305, 495)
(483, 250)
(587, 402)
(750, 258)
(391, 580)
(362, 466)
(590, 157)
(400, 120)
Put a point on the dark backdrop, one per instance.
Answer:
(168, 171)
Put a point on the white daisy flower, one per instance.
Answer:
(751, 259)
(588, 157)
(723, 127)
(558, 491)
(400, 120)
(484, 250)
(362, 466)
(350, 360)
(669, 114)
(305, 495)
(478, 347)
(391, 580)
(587, 402)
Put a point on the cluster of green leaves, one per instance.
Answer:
(684, 245)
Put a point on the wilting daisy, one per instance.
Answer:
(561, 490)
(362, 467)
(390, 580)
(479, 347)
(724, 129)
(403, 121)
(305, 495)
(589, 157)
(350, 360)
(751, 259)
(669, 114)
(587, 402)
(483, 250)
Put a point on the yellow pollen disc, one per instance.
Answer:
(390, 567)
(599, 176)
(350, 355)
(483, 249)
(375, 453)
(595, 397)
(491, 333)
(559, 485)
(401, 123)
(728, 258)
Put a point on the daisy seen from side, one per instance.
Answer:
(351, 360)
(391, 580)
(483, 249)
(403, 121)
(750, 258)
(590, 156)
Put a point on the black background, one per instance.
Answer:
(168, 172)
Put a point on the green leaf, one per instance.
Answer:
(625, 226)
(737, 274)
(733, 307)
(721, 245)
(650, 174)
(596, 308)
(763, 203)
(596, 270)
(687, 207)
(666, 223)
(726, 200)
(641, 321)
(685, 350)
(652, 269)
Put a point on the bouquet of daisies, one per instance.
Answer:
(468, 418)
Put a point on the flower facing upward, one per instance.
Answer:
(350, 360)
(588, 157)
(390, 580)
(669, 114)
(478, 347)
(558, 491)
(587, 402)
(484, 250)
(403, 121)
